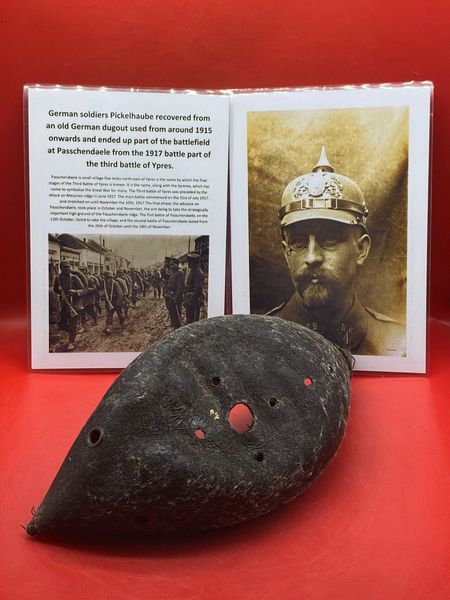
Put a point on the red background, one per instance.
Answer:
(377, 523)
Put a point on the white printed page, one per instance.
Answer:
(127, 219)
(329, 213)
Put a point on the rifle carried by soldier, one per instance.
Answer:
(72, 311)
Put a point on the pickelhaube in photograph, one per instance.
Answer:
(323, 194)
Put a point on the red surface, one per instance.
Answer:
(377, 523)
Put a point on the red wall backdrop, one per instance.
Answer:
(210, 44)
(376, 526)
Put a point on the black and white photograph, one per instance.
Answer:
(121, 293)
(336, 218)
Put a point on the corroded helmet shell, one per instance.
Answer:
(323, 194)
(221, 421)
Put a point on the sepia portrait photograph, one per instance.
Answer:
(333, 226)
(121, 293)
(328, 222)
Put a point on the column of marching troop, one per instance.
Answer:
(78, 298)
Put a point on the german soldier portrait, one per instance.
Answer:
(325, 241)
(329, 192)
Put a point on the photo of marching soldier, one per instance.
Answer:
(120, 293)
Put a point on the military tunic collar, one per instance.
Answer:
(348, 332)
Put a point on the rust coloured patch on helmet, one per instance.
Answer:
(221, 421)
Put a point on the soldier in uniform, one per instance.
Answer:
(193, 295)
(325, 241)
(113, 301)
(145, 282)
(120, 278)
(71, 292)
(137, 286)
(129, 282)
(165, 273)
(156, 284)
(174, 293)
(90, 295)
(54, 302)
(98, 293)
(54, 307)
(82, 326)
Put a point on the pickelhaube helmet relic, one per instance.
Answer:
(323, 194)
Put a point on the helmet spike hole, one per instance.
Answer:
(241, 418)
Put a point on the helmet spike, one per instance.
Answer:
(323, 194)
(323, 165)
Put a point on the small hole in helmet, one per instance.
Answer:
(200, 434)
(95, 436)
